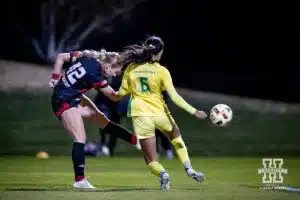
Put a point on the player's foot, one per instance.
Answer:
(165, 182)
(83, 184)
(169, 154)
(197, 176)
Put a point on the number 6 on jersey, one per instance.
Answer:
(144, 84)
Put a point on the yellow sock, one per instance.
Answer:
(181, 151)
(156, 168)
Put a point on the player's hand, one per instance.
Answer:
(52, 83)
(54, 80)
(200, 114)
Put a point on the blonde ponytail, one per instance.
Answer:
(106, 56)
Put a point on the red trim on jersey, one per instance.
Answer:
(84, 90)
(99, 84)
(63, 108)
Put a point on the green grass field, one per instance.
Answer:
(28, 178)
(229, 156)
(28, 125)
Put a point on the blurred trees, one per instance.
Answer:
(66, 24)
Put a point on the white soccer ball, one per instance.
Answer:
(221, 114)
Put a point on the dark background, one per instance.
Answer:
(245, 49)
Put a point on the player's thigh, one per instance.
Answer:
(89, 111)
(166, 124)
(72, 121)
(104, 109)
(143, 127)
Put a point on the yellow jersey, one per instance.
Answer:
(145, 83)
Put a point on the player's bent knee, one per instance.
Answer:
(86, 111)
(178, 142)
(80, 138)
(174, 133)
(93, 116)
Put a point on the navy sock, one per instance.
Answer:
(120, 132)
(78, 158)
(103, 136)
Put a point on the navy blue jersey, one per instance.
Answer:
(80, 76)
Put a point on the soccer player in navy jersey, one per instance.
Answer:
(71, 106)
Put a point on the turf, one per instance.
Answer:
(28, 178)
(28, 125)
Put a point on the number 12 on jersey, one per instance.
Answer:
(75, 72)
(144, 84)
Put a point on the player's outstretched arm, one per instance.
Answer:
(110, 93)
(125, 84)
(177, 99)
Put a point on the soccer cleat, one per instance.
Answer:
(83, 184)
(164, 182)
(197, 176)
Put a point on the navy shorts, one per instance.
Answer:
(123, 106)
(59, 107)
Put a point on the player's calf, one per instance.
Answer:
(73, 123)
(183, 156)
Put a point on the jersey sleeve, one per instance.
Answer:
(175, 97)
(125, 84)
(98, 81)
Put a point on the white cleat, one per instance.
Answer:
(165, 182)
(83, 184)
(197, 176)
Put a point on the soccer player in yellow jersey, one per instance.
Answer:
(145, 79)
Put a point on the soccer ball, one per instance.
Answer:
(221, 114)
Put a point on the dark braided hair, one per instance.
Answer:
(144, 52)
